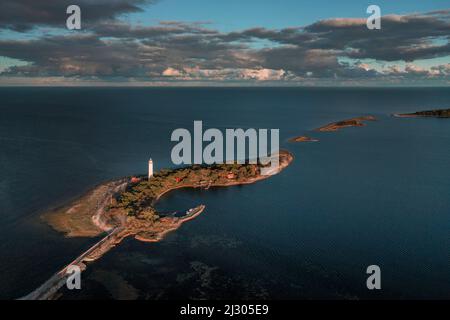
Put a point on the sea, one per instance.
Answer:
(362, 196)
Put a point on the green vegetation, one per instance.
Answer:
(443, 113)
(137, 200)
(348, 123)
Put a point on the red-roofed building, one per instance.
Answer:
(231, 176)
(135, 180)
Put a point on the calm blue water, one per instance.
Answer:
(361, 196)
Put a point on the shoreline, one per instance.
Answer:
(397, 115)
(166, 232)
(123, 229)
(81, 217)
(353, 122)
(437, 113)
(299, 139)
(400, 115)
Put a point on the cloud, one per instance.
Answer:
(412, 72)
(405, 37)
(365, 66)
(84, 55)
(443, 69)
(263, 74)
(227, 74)
(118, 29)
(171, 72)
(23, 15)
(174, 51)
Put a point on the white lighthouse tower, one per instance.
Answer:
(150, 169)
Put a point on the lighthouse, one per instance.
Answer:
(150, 169)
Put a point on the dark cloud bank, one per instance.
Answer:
(111, 50)
(23, 15)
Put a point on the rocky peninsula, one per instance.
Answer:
(126, 208)
(438, 113)
(129, 202)
(303, 139)
(353, 122)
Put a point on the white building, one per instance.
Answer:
(150, 169)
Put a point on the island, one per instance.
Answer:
(128, 203)
(303, 139)
(126, 208)
(353, 122)
(438, 113)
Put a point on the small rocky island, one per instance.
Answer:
(438, 113)
(303, 139)
(353, 122)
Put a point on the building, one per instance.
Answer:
(135, 180)
(231, 176)
(150, 169)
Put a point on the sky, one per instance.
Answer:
(233, 15)
(210, 42)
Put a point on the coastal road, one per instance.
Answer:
(48, 290)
